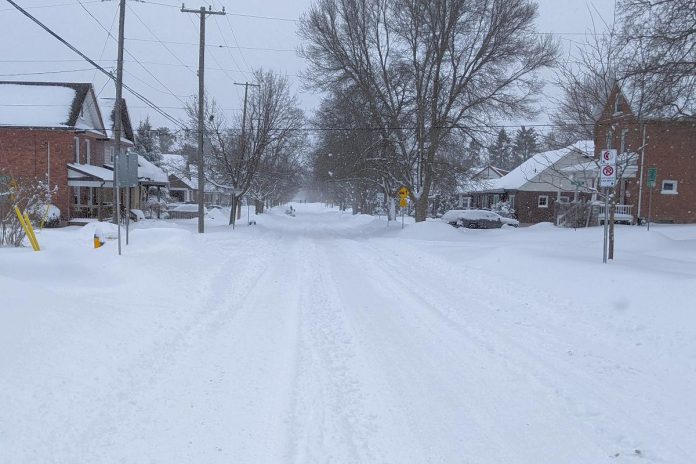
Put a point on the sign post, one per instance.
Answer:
(607, 179)
(652, 181)
(127, 178)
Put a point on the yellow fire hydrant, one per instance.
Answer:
(98, 239)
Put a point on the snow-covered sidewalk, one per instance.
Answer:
(327, 337)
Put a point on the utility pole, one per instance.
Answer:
(203, 13)
(118, 119)
(233, 211)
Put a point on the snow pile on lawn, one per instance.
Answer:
(330, 337)
(433, 230)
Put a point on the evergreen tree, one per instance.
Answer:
(146, 142)
(501, 152)
(166, 139)
(526, 144)
(476, 153)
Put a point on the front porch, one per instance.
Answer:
(92, 192)
(588, 213)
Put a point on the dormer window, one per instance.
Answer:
(617, 104)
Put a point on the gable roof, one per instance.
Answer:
(54, 105)
(498, 172)
(108, 106)
(150, 173)
(666, 104)
(531, 169)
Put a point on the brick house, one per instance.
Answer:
(57, 132)
(535, 187)
(664, 139)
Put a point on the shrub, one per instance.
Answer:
(30, 195)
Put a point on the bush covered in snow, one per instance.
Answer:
(504, 208)
(30, 195)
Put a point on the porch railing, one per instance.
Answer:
(91, 211)
(622, 213)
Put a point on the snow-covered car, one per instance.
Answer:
(477, 219)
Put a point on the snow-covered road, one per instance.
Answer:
(328, 338)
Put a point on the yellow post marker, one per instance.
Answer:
(31, 230)
(28, 230)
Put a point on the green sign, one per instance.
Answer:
(652, 177)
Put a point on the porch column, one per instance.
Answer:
(159, 199)
(100, 196)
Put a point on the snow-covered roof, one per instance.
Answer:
(148, 172)
(488, 172)
(49, 105)
(176, 164)
(76, 170)
(108, 111)
(534, 166)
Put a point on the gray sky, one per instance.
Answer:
(237, 42)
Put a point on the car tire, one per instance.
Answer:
(472, 225)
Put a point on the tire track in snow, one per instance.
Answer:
(440, 387)
(330, 421)
(150, 370)
(595, 405)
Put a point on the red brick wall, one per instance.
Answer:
(527, 207)
(24, 154)
(670, 147)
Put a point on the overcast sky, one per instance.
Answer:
(253, 34)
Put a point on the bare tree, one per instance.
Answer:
(664, 33)
(236, 148)
(586, 78)
(280, 172)
(426, 67)
(349, 163)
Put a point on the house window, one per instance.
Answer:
(669, 187)
(543, 201)
(88, 149)
(496, 199)
(511, 200)
(564, 199)
(617, 104)
(77, 150)
(111, 154)
(466, 202)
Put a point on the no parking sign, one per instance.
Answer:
(608, 176)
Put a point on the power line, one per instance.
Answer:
(227, 45)
(106, 42)
(93, 63)
(45, 105)
(132, 56)
(46, 72)
(55, 5)
(160, 41)
(153, 63)
(265, 49)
